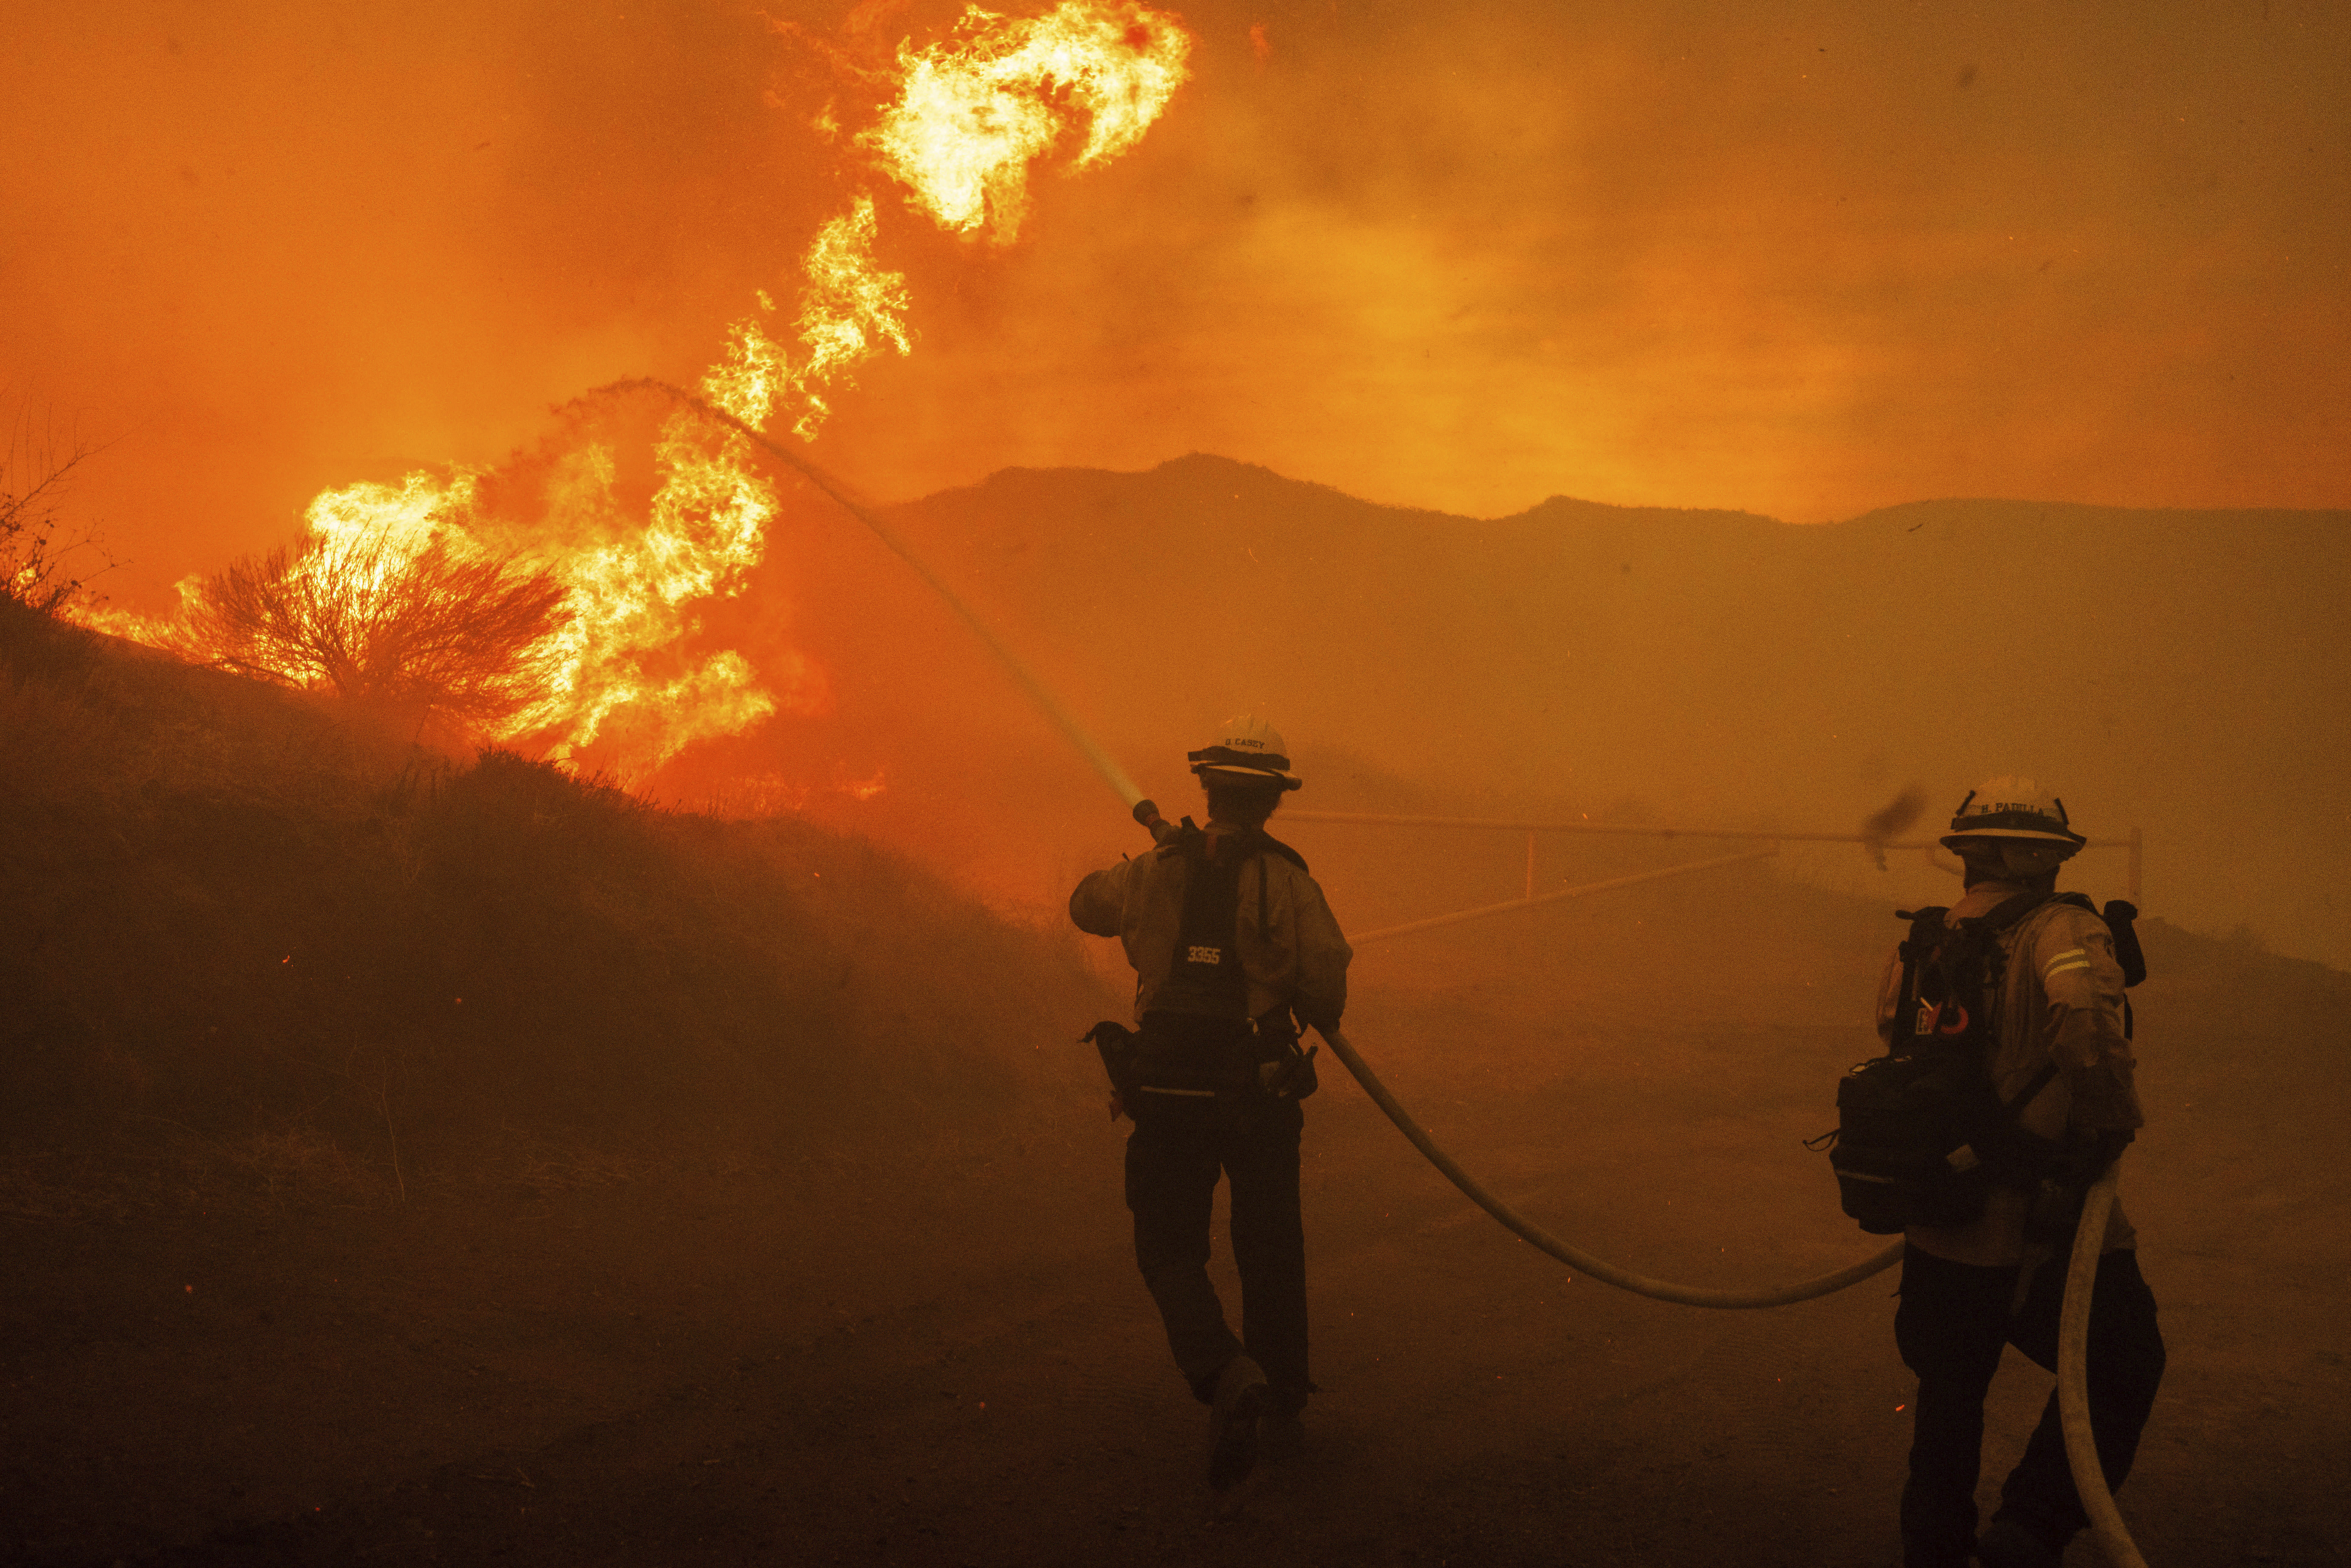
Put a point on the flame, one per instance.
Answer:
(849, 308)
(632, 591)
(975, 112)
(631, 588)
(970, 115)
(154, 631)
(400, 520)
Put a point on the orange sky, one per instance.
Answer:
(1464, 257)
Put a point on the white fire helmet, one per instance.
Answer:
(2013, 809)
(1248, 750)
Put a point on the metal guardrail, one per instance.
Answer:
(2135, 843)
(1431, 922)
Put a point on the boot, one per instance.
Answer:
(1232, 1422)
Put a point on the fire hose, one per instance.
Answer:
(2074, 1322)
(2073, 1377)
(1576, 1256)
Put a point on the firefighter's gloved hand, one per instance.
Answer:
(2055, 1214)
(2056, 1209)
(1115, 1043)
(2087, 1160)
(1293, 1076)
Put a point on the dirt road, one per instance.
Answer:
(943, 1356)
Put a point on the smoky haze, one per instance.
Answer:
(2159, 670)
(1836, 262)
(1804, 265)
(1532, 410)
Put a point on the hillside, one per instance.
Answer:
(230, 916)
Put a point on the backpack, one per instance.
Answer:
(1204, 975)
(1199, 1039)
(1922, 1135)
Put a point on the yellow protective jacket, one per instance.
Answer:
(1290, 946)
(2061, 999)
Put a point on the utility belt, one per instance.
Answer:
(1200, 1058)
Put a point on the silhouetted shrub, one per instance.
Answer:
(392, 630)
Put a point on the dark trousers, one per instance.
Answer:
(1952, 1322)
(1173, 1160)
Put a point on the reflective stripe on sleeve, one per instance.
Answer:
(2071, 958)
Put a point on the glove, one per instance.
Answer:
(1290, 1077)
(2087, 1160)
(2056, 1210)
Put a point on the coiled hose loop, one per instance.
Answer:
(1576, 1256)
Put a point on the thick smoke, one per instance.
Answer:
(1803, 266)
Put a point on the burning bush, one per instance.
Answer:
(446, 631)
(391, 631)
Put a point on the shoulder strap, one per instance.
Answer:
(1261, 843)
(1187, 840)
(1284, 850)
(2009, 911)
(2011, 1109)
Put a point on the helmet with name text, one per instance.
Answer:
(1247, 751)
(2014, 810)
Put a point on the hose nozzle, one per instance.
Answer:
(1160, 830)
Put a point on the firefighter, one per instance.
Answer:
(1968, 1289)
(1234, 948)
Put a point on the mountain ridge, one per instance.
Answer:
(1707, 665)
(1562, 501)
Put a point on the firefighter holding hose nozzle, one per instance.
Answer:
(1234, 947)
(2012, 998)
